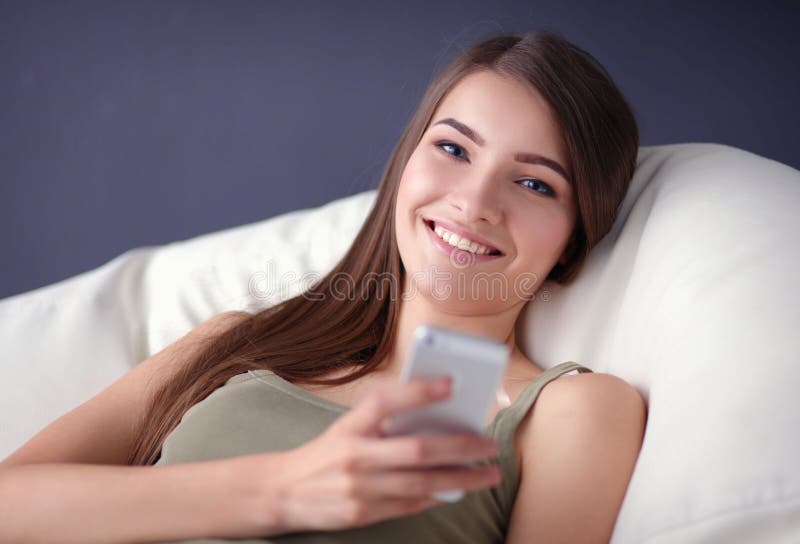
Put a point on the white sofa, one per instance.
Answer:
(692, 298)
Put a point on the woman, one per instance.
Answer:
(263, 425)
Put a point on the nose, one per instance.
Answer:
(477, 200)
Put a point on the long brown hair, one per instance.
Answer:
(318, 331)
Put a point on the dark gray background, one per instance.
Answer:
(127, 124)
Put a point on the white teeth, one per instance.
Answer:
(461, 243)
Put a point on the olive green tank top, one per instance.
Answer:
(260, 412)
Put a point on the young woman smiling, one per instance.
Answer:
(269, 426)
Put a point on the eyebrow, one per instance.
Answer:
(531, 158)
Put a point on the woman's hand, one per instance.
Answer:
(351, 475)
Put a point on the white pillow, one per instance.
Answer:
(688, 298)
(65, 342)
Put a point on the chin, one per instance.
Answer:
(449, 290)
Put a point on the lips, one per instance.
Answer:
(493, 250)
(461, 257)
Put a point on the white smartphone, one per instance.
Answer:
(476, 366)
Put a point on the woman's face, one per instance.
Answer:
(483, 188)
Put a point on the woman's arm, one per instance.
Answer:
(580, 445)
(62, 502)
(348, 476)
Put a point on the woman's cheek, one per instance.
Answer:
(558, 232)
(437, 176)
(423, 177)
(429, 176)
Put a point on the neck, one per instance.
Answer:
(420, 310)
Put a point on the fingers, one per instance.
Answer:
(384, 495)
(420, 450)
(365, 419)
(421, 484)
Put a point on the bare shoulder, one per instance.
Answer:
(579, 449)
(591, 395)
(592, 416)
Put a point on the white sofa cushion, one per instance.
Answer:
(690, 298)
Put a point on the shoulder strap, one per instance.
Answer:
(505, 425)
(517, 411)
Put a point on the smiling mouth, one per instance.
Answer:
(460, 241)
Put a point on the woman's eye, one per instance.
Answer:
(445, 145)
(537, 184)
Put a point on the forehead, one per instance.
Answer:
(511, 116)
